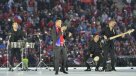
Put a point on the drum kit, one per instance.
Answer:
(26, 43)
(23, 45)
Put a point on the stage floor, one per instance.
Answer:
(79, 71)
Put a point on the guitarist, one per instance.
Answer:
(109, 45)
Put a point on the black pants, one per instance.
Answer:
(98, 63)
(109, 50)
(85, 59)
(60, 53)
(66, 65)
(15, 52)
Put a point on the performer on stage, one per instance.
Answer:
(93, 51)
(58, 45)
(67, 34)
(16, 35)
(109, 45)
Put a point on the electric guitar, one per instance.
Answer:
(119, 35)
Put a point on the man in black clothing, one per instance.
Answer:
(94, 50)
(15, 36)
(108, 46)
(58, 47)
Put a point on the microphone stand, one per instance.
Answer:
(41, 60)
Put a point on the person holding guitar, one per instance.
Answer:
(108, 46)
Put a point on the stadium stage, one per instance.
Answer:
(73, 71)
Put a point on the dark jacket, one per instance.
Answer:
(94, 48)
(55, 35)
(16, 35)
